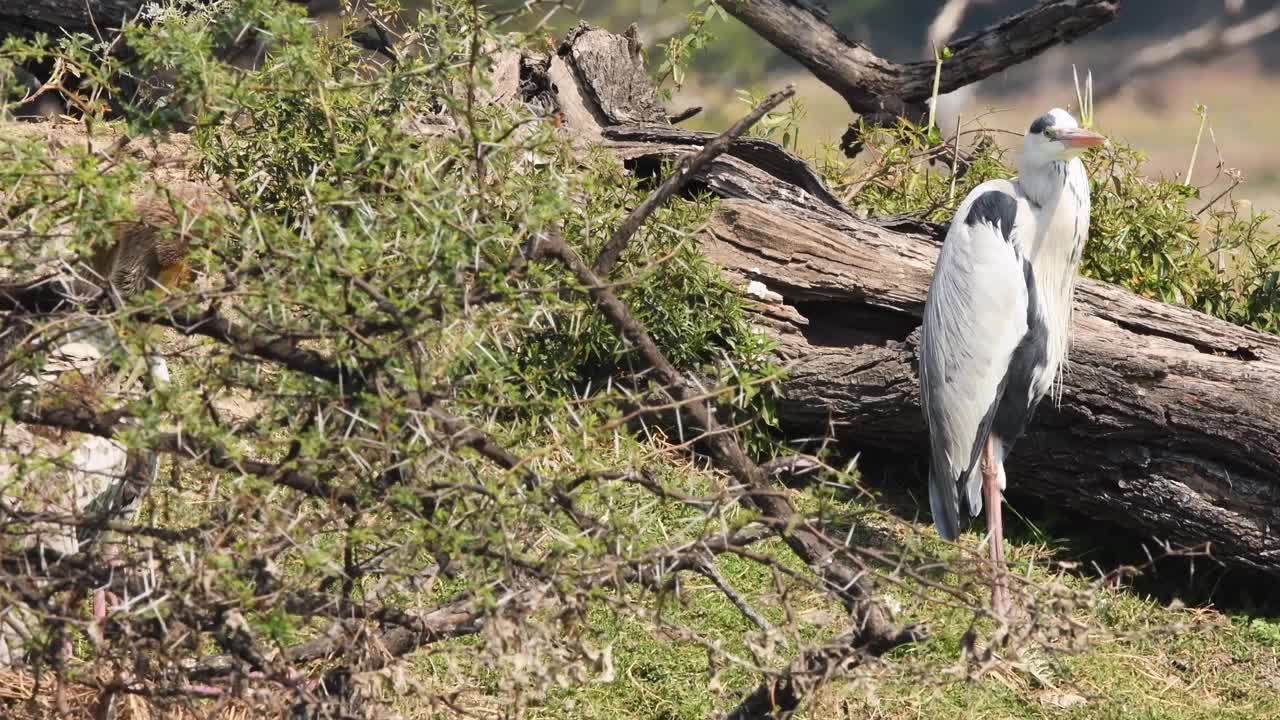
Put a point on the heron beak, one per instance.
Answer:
(1079, 138)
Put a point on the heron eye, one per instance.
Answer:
(1051, 133)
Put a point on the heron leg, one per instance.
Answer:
(995, 530)
(100, 606)
(102, 598)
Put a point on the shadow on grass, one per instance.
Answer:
(1095, 548)
(1101, 548)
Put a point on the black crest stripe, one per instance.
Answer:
(1042, 123)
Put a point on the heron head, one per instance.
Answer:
(1056, 136)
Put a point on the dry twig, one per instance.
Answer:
(684, 169)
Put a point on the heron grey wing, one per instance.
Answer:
(974, 318)
(78, 476)
(119, 493)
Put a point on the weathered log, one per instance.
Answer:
(98, 18)
(95, 17)
(1167, 423)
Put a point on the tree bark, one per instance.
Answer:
(873, 86)
(1167, 423)
(102, 18)
(1210, 41)
(24, 17)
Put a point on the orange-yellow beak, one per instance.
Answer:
(1079, 138)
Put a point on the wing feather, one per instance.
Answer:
(974, 318)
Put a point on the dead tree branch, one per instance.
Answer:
(688, 164)
(1212, 40)
(779, 697)
(875, 87)
(112, 425)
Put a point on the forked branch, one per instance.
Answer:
(878, 88)
(1214, 39)
(687, 166)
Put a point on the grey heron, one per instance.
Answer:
(996, 323)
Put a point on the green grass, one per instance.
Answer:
(1133, 657)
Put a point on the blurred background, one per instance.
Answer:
(1152, 67)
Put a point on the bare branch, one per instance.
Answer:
(684, 114)
(1211, 40)
(709, 570)
(684, 169)
(51, 294)
(793, 470)
(115, 422)
(281, 350)
(875, 87)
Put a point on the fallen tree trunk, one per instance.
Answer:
(1168, 418)
(1167, 423)
(95, 17)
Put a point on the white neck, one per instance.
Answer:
(1059, 196)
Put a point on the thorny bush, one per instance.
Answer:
(391, 429)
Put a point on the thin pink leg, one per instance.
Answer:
(995, 531)
(100, 606)
(101, 598)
